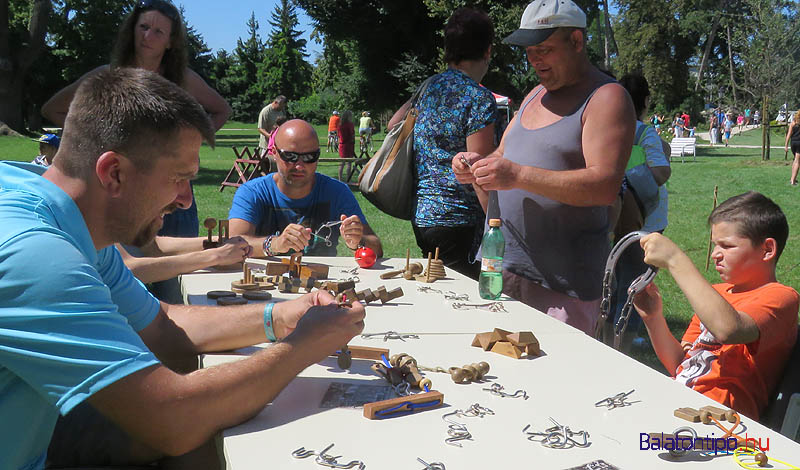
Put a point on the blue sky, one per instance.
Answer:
(222, 23)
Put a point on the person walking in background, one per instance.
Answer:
(456, 114)
(347, 141)
(713, 129)
(333, 129)
(728, 125)
(267, 123)
(793, 137)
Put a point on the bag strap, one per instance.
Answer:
(639, 134)
(420, 90)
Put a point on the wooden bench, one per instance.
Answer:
(246, 166)
(682, 146)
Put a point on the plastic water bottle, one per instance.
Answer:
(490, 282)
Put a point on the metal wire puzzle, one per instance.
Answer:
(558, 437)
(326, 226)
(458, 431)
(387, 335)
(497, 389)
(327, 460)
(431, 466)
(617, 401)
(491, 306)
(449, 295)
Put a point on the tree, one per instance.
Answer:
(659, 38)
(284, 69)
(236, 74)
(20, 46)
(767, 52)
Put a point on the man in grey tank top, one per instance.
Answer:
(557, 170)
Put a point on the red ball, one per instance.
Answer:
(365, 257)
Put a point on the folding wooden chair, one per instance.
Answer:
(246, 166)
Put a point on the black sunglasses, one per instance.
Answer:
(292, 157)
(163, 7)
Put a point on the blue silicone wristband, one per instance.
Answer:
(268, 323)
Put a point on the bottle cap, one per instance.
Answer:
(495, 222)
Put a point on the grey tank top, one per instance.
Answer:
(560, 246)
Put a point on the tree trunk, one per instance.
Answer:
(610, 42)
(730, 58)
(709, 43)
(17, 59)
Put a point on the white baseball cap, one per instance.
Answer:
(542, 17)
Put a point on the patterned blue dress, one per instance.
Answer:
(453, 107)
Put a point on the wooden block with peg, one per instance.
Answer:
(409, 404)
(689, 414)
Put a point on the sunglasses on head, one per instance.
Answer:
(292, 157)
(163, 7)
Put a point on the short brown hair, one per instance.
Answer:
(131, 111)
(756, 217)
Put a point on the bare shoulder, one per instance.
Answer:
(609, 99)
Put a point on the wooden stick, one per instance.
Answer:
(428, 276)
(408, 257)
(436, 256)
(708, 252)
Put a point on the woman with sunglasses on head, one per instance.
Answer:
(153, 37)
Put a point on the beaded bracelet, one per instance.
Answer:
(267, 247)
(268, 323)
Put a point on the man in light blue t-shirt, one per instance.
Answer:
(287, 210)
(77, 327)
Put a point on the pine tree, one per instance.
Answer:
(284, 69)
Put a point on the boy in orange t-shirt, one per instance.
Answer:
(744, 329)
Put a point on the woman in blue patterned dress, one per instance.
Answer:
(456, 114)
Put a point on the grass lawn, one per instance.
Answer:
(690, 195)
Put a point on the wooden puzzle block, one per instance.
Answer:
(394, 293)
(381, 294)
(484, 340)
(689, 414)
(720, 414)
(338, 286)
(499, 334)
(533, 349)
(523, 338)
(433, 399)
(366, 352)
(507, 349)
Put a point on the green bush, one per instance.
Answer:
(315, 108)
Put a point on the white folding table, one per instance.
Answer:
(564, 383)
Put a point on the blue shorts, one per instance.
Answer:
(365, 130)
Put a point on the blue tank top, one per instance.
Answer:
(560, 246)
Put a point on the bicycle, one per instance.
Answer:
(333, 142)
(365, 145)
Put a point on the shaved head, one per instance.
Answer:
(297, 136)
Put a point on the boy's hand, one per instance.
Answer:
(660, 251)
(648, 303)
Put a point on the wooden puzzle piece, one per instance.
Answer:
(507, 349)
(689, 414)
(484, 340)
(423, 401)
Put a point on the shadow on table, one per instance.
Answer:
(302, 397)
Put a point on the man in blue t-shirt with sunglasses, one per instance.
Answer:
(296, 208)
